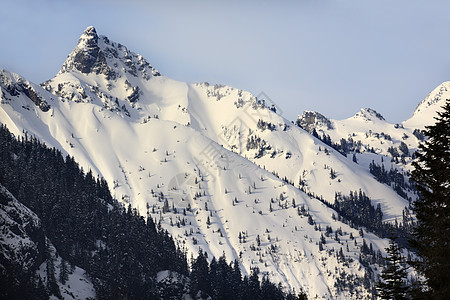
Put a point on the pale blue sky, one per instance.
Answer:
(330, 56)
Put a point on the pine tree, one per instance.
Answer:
(431, 235)
(200, 280)
(63, 272)
(254, 285)
(332, 174)
(166, 206)
(236, 280)
(52, 285)
(392, 285)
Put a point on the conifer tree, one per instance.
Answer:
(431, 235)
(392, 285)
(254, 285)
(63, 272)
(200, 280)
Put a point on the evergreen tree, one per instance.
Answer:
(200, 280)
(431, 235)
(392, 285)
(404, 149)
(63, 272)
(236, 280)
(270, 291)
(254, 285)
(52, 285)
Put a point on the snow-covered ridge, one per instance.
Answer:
(368, 114)
(14, 84)
(439, 93)
(310, 119)
(426, 110)
(209, 152)
(373, 140)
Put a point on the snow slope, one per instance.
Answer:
(205, 161)
(375, 138)
(426, 110)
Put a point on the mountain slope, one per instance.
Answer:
(426, 110)
(211, 163)
(375, 143)
(28, 259)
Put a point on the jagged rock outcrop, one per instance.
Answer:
(311, 119)
(12, 85)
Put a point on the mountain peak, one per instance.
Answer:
(368, 113)
(440, 92)
(97, 54)
(87, 56)
(311, 119)
(90, 30)
(89, 38)
(427, 109)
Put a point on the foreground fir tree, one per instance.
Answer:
(393, 283)
(431, 236)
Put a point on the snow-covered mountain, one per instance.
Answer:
(217, 166)
(373, 142)
(426, 110)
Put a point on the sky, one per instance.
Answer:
(330, 56)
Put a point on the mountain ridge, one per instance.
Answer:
(214, 158)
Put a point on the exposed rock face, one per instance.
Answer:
(97, 54)
(14, 85)
(311, 119)
(88, 57)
